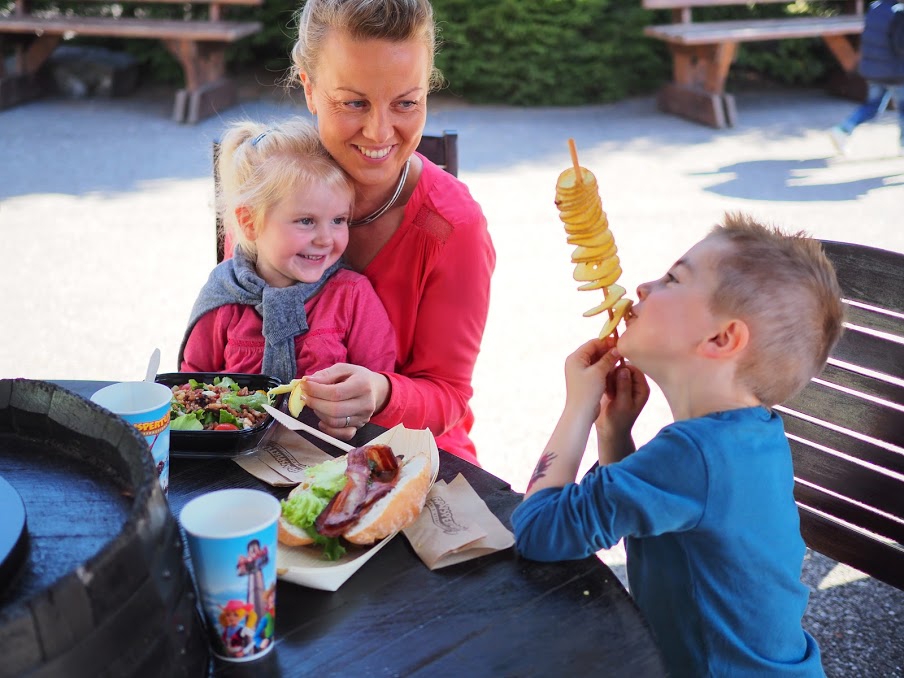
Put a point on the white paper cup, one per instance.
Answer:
(231, 536)
(145, 405)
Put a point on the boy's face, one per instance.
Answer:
(672, 316)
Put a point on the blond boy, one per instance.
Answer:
(741, 322)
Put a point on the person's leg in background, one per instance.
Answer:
(877, 98)
(897, 93)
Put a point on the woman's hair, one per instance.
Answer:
(258, 165)
(392, 20)
(784, 287)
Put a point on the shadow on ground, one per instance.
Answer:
(792, 180)
(491, 139)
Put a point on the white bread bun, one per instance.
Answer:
(290, 535)
(397, 509)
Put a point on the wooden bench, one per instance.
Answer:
(846, 428)
(440, 149)
(199, 45)
(702, 52)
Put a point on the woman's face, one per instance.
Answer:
(370, 99)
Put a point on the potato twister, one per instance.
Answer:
(597, 266)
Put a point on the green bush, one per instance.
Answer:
(522, 52)
(547, 52)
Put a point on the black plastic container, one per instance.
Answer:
(220, 444)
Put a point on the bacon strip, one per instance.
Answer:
(372, 471)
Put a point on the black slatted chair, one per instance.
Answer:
(846, 428)
(441, 149)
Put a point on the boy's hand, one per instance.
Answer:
(585, 376)
(627, 391)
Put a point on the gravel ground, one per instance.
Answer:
(107, 224)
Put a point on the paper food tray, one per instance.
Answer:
(305, 565)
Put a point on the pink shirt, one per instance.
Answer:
(433, 277)
(347, 322)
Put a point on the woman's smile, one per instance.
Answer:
(374, 153)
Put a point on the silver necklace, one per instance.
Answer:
(389, 203)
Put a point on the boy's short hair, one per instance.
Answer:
(784, 287)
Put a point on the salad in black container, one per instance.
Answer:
(218, 414)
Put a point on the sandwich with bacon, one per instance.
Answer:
(360, 498)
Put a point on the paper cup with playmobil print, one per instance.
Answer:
(231, 537)
(145, 405)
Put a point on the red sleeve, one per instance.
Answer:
(434, 386)
(371, 340)
(206, 345)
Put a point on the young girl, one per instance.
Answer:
(284, 305)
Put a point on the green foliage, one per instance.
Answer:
(547, 52)
(522, 52)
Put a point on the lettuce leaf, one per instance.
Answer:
(326, 480)
(186, 422)
(255, 401)
(228, 382)
(302, 509)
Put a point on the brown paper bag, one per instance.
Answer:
(281, 458)
(456, 526)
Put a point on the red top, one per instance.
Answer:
(433, 277)
(347, 324)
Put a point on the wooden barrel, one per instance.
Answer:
(103, 588)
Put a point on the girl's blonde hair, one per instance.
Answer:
(392, 20)
(784, 287)
(258, 165)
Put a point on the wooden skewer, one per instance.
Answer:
(579, 176)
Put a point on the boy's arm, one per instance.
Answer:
(558, 465)
(595, 390)
(585, 381)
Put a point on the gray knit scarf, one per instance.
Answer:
(235, 281)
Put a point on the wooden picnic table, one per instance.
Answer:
(497, 615)
(196, 33)
(703, 51)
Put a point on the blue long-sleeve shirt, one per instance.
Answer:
(713, 540)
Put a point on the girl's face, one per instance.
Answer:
(673, 316)
(303, 235)
(370, 99)
(232, 617)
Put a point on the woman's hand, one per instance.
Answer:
(345, 394)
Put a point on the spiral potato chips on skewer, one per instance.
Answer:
(595, 257)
